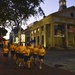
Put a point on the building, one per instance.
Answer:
(17, 35)
(27, 33)
(56, 29)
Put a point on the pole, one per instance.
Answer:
(19, 34)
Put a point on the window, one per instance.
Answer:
(42, 28)
(42, 39)
(61, 3)
(72, 15)
(38, 29)
(38, 40)
(34, 31)
(64, 3)
(35, 39)
(59, 30)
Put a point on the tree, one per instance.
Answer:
(3, 31)
(18, 10)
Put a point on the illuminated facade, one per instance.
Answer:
(55, 30)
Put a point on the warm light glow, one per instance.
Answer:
(64, 3)
(17, 40)
(61, 3)
(22, 37)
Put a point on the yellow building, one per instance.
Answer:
(56, 29)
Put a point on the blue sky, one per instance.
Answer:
(51, 6)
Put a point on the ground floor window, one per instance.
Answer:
(38, 40)
(42, 39)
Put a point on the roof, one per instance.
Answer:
(64, 10)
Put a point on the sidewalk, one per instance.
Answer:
(11, 69)
(64, 59)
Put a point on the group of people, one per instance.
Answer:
(25, 55)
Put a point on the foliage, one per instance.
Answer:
(3, 31)
(18, 10)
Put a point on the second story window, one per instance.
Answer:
(72, 14)
(64, 3)
(42, 28)
(38, 29)
(34, 31)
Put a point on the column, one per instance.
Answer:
(44, 35)
(52, 35)
(66, 35)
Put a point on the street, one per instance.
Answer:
(10, 68)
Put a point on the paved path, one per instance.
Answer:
(62, 59)
(11, 69)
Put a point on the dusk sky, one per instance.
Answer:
(49, 6)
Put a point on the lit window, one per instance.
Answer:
(22, 37)
(34, 31)
(64, 3)
(38, 29)
(61, 3)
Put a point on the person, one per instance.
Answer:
(41, 54)
(21, 49)
(15, 52)
(31, 47)
(11, 48)
(27, 57)
(34, 52)
(5, 53)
